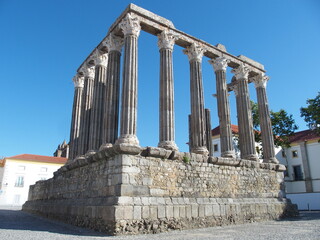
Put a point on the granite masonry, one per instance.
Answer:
(112, 184)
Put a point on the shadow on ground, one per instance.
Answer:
(19, 220)
(304, 216)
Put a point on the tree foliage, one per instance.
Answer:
(311, 113)
(283, 126)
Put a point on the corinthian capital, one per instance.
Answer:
(166, 40)
(88, 71)
(260, 80)
(101, 59)
(78, 81)
(241, 72)
(194, 52)
(130, 25)
(219, 63)
(114, 43)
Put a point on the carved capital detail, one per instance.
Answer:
(260, 80)
(194, 52)
(166, 40)
(219, 63)
(78, 81)
(130, 25)
(101, 59)
(114, 43)
(88, 72)
(241, 72)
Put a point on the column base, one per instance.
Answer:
(271, 160)
(128, 139)
(252, 157)
(105, 146)
(228, 154)
(169, 145)
(200, 150)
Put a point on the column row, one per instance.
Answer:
(96, 101)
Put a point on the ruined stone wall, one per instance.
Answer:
(136, 194)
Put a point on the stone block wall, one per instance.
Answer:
(121, 193)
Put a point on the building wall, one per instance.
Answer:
(18, 175)
(216, 141)
(296, 189)
(313, 149)
(128, 193)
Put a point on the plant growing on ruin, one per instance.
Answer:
(186, 159)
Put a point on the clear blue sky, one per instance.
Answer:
(43, 42)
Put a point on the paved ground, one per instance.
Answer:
(16, 225)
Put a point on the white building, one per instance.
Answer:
(302, 177)
(17, 173)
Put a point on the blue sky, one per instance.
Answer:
(43, 42)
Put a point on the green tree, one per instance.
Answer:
(283, 126)
(311, 113)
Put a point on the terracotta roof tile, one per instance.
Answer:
(216, 131)
(305, 135)
(39, 158)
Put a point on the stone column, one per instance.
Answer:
(86, 108)
(195, 53)
(220, 65)
(166, 93)
(260, 83)
(98, 100)
(111, 109)
(130, 26)
(76, 116)
(246, 134)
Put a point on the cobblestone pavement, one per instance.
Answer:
(16, 225)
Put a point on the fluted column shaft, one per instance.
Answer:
(195, 54)
(76, 116)
(246, 134)
(166, 94)
(220, 65)
(265, 120)
(98, 100)
(111, 116)
(128, 125)
(86, 111)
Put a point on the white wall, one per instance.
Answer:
(295, 186)
(314, 161)
(216, 140)
(306, 201)
(30, 171)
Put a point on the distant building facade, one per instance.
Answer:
(17, 173)
(302, 177)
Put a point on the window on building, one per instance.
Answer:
(19, 181)
(295, 153)
(215, 148)
(297, 173)
(43, 169)
(283, 154)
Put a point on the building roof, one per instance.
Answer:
(303, 136)
(39, 158)
(216, 131)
